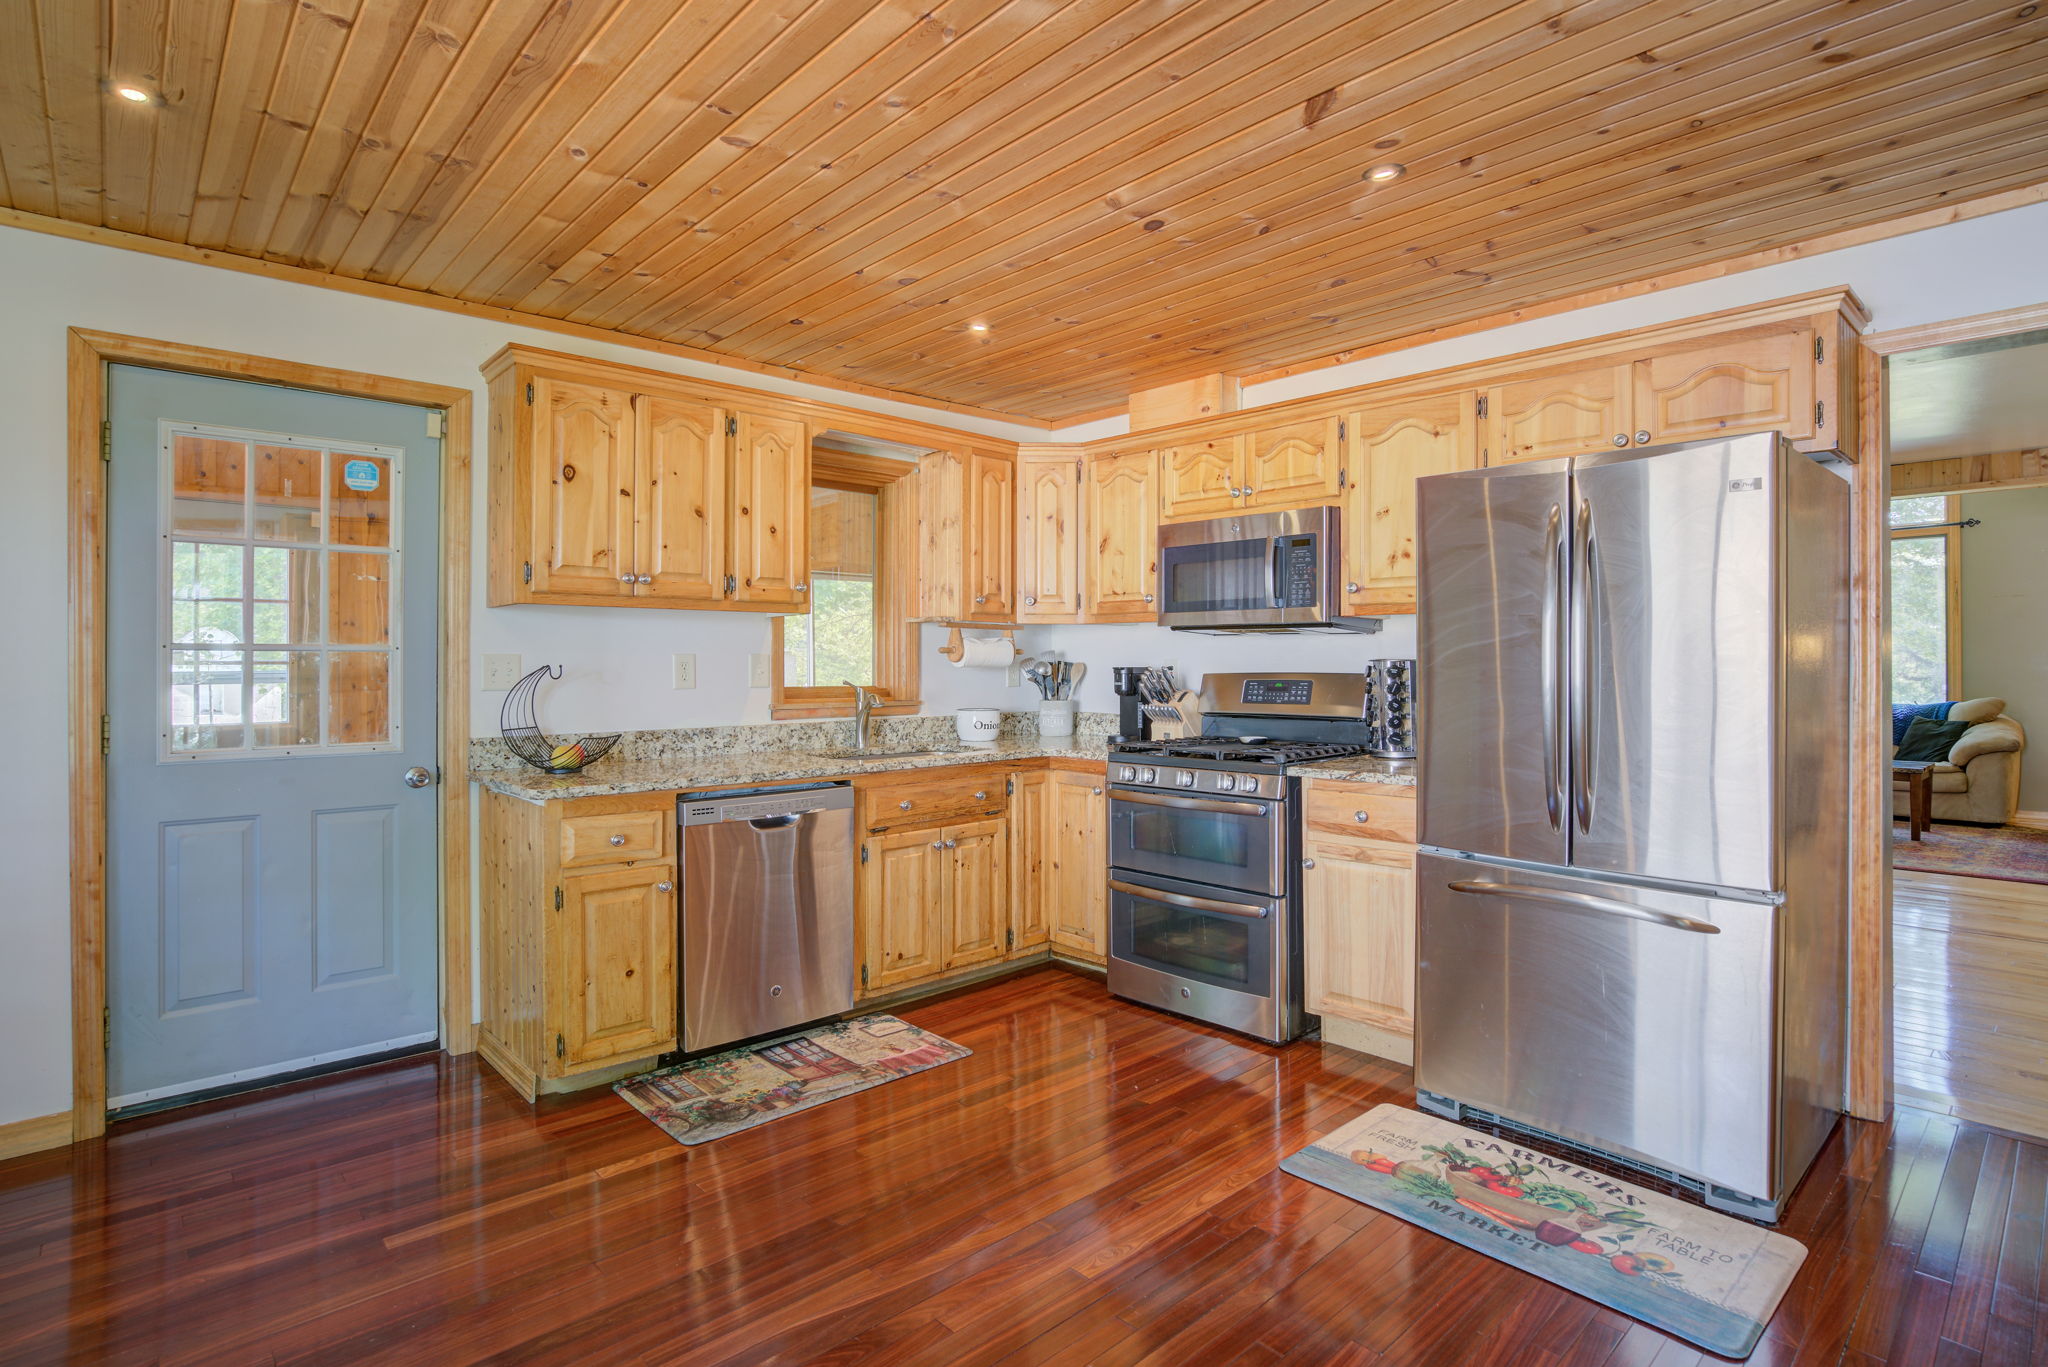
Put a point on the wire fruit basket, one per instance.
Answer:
(519, 723)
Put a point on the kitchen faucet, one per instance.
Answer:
(863, 705)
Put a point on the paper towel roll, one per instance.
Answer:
(986, 652)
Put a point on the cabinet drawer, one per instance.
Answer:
(1361, 811)
(616, 837)
(935, 801)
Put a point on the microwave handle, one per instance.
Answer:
(1278, 583)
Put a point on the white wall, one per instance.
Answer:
(621, 656)
(2005, 619)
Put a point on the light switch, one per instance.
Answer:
(757, 670)
(685, 671)
(500, 672)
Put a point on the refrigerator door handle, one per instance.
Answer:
(1584, 552)
(1553, 666)
(1584, 902)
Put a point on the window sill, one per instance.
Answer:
(829, 711)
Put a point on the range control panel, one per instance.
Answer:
(1278, 692)
(1197, 781)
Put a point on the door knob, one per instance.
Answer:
(418, 776)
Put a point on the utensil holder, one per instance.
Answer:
(1056, 717)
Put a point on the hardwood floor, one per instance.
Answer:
(1097, 1184)
(1970, 1009)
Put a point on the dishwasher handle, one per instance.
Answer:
(776, 823)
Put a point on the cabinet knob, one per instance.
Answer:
(952, 844)
(1030, 600)
(1148, 597)
(1643, 437)
(1246, 491)
(664, 886)
(1621, 438)
(1308, 863)
(618, 840)
(938, 844)
(646, 579)
(981, 797)
(804, 587)
(1097, 791)
(1351, 587)
(904, 805)
(625, 579)
(1359, 817)
(981, 598)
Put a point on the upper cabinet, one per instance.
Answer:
(602, 494)
(1292, 465)
(1200, 478)
(1048, 537)
(1120, 512)
(967, 512)
(1390, 446)
(1565, 414)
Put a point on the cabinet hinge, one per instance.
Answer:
(1820, 350)
(528, 571)
(863, 977)
(732, 427)
(558, 899)
(529, 391)
(1820, 414)
(863, 854)
(106, 734)
(1010, 787)
(1481, 409)
(1009, 939)
(560, 1048)
(437, 423)
(1343, 478)
(1342, 427)
(106, 439)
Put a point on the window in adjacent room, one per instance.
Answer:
(1926, 572)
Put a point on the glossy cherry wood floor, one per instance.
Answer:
(1097, 1184)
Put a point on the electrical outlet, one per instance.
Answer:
(500, 672)
(757, 670)
(685, 671)
(1013, 677)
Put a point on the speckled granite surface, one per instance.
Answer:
(1360, 769)
(708, 757)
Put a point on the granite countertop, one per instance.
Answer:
(1360, 769)
(702, 772)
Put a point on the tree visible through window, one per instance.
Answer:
(1925, 573)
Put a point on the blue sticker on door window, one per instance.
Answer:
(360, 475)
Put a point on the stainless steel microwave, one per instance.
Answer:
(1255, 572)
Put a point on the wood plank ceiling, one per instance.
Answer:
(1125, 192)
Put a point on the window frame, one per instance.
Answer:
(894, 484)
(1952, 588)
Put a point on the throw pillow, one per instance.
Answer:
(1930, 740)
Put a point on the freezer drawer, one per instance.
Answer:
(1641, 1022)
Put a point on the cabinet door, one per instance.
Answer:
(1200, 479)
(1358, 932)
(1392, 446)
(1295, 466)
(613, 954)
(1048, 538)
(977, 926)
(1744, 382)
(1121, 512)
(904, 886)
(582, 469)
(770, 511)
(1569, 414)
(1030, 838)
(1077, 865)
(679, 530)
(991, 538)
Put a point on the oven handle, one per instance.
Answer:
(1188, 804)
(1181, 899)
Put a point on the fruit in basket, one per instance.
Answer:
(566, 756)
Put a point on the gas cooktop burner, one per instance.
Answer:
(1239, 749)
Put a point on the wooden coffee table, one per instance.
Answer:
(1919, 777)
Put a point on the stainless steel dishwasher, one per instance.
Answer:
(767, 911)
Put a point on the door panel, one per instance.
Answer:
(991, 537)
(1049, 538)
(1077, 864)
(1570, 414)
(904, 889)
(1490, 644)
(1672, 665)
(978, 928)
(616, 958)
(1295, 466)
(1358, 927)
(1031, 831)
(1122, 569)
(771, 504)
(1392, 446)
(583, 472)
(1569, 1013)
(1743, 383)
(1201, 479)
(273, 885)
(679, 530)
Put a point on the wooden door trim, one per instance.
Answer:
(90, 353)
(1870, 825)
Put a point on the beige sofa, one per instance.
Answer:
(1980, 783)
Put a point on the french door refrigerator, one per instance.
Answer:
(1634, 806)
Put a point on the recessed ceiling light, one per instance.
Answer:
(1387, 170)
(977, 327)
(134, 94)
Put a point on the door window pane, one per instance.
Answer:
(208, 485)
(287, 493)
(285, 697)
(1920, 625)
(359, 685)
(359, 602)
(207, 690)
(359, 493)
(286, 603)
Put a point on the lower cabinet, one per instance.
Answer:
(932, 900)
(1359, 916)
(1076, 886)
(578, 934)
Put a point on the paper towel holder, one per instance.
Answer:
(953, 646)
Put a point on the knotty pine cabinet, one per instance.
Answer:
(967, 516)
(1087, 537)
(1076, 865)
(1049, 537)
(642, 497)
(1292, 464)
(578, 934)
(1359, 914)
(1388, 447)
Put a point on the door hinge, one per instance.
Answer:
(560, 1048)
(1820, 414)
(106, 734)
(528, 571)
(732, 427)
(558, 899)
(863, 854)
(1481, 409)
(107, 439)
(1820, 350)
(529, 391)
(1010, 787)
(863, 977)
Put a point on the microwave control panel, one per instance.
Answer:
(1296, 557)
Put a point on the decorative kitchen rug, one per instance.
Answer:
(709, 1098)
(2014, 854)
(1707, 1278)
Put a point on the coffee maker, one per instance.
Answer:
(1132, 723)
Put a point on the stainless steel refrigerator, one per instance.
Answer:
(1634, 787)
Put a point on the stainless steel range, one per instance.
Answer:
(1205, 849)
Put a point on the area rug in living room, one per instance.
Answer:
(2017, 854)
(709, 1098)
(1707, 1278)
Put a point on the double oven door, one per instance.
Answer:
(1200, 916)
